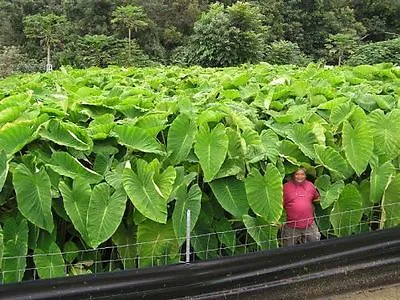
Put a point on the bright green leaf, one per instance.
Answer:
(143, 192)
(49, 263)
(347, 211)
(211, 149)
(380, 177)
(14, 136)
(67, 134)
(137, 139)
(105, 213)
(330, 159)
(304, 138)
(186, 200)
(358, 145)
(262, 232)
(264, 193)
(3, 168)
(231, 194)
(15, 235)
(158, 245)
(76, 204)
(33, 196)
(180, 138)
(65, 164)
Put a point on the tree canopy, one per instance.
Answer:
(204, 32)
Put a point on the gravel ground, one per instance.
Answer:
(391, 292)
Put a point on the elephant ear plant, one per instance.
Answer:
(98, 167)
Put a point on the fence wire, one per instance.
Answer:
(202, 246)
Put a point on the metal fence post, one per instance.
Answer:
(188, 236)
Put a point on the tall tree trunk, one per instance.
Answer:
(129, 45)
(48, 53)
(48, 66)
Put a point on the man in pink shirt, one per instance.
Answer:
(298, 197)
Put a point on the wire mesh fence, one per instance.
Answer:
(209, 245)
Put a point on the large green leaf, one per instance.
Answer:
(380, 177)
(292, 153)
(204, 240)
(101, 126)
(114, 177)
(236, 144)
(304, 138)
(14, 136)
(231, 167)
(15, 235)
(33, 196)
(364, 189)
(76, 204)
(67, 134)
(341, 113)
(386, 131)
(391, 204)
(358, 145)
(264, 193)
(186, 200)
(181, 179)
(153, 123)
(144, 193)
(330, 159)
(157, 244)
(231, 194)
(105, 213)
(262, 232)
(125, 239)
(163, 181)
(65, 164)
(323, 182)
(180, 138)
(347, 211)
(270, 142)
(10, 112)
(332, 194)
(71, 251)
(226, 235)
(293, 114)
(254, 149)
(211, 149)
(49, 263)
(3, 168)
(1, 246)
(235, 116)
(319, 132)
(138, 139)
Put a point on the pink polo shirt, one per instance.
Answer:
(297, 201)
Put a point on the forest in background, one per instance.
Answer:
(85, 33)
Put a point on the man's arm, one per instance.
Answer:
(316, 197)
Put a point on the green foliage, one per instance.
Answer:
(132, 17)
(101, 51)
(380, 18)
(10, 57)
(115, 158)
(164, 31)
(227, 36)
(340, 46)
(48, 28)
(285, 53)
(379, 52)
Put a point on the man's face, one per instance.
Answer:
(299, 176)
